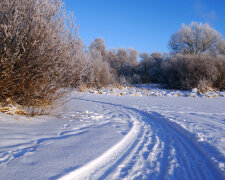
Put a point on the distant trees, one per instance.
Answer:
(197, 59)
(189, 71)
(99, 74)
(124, 61)
(99, 45)
(185, 69)
(149, 67)
(197, 39)
(98, 67)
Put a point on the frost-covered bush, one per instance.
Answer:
(124, 62)
(149, 67)
(219, 82)
(38, 48)
(193, 71)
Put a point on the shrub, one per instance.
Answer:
(219, 82)
(193, 71)
(149, 67)
(37, 51)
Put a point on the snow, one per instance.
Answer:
(154, 90)
(102, 136)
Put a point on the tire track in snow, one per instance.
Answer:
(155, 148)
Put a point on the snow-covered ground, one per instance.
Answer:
(99, 136)
(154, 90)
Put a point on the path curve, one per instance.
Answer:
(154, 148)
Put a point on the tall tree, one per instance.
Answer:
(197, 38)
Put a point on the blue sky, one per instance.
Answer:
(145, 25)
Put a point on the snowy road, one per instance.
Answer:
(154, 148)
(105, 137)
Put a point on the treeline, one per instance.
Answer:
(176, 71)
(196, 60)
(42, 57)
(103, 67)
(185, 71)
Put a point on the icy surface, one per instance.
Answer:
(112, 137)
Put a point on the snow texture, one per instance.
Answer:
(111, 137)
(155, 90)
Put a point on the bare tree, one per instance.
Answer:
(197, 39)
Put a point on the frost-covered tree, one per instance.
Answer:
(149, 67)
(197, 38)
(99, 44)
(133, 54)
(99, 70)
(126, 57)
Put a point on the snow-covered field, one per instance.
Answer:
(154, 90)
(101, 136)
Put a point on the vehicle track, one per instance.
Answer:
(154, 148)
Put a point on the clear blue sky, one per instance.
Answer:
(145, 25)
